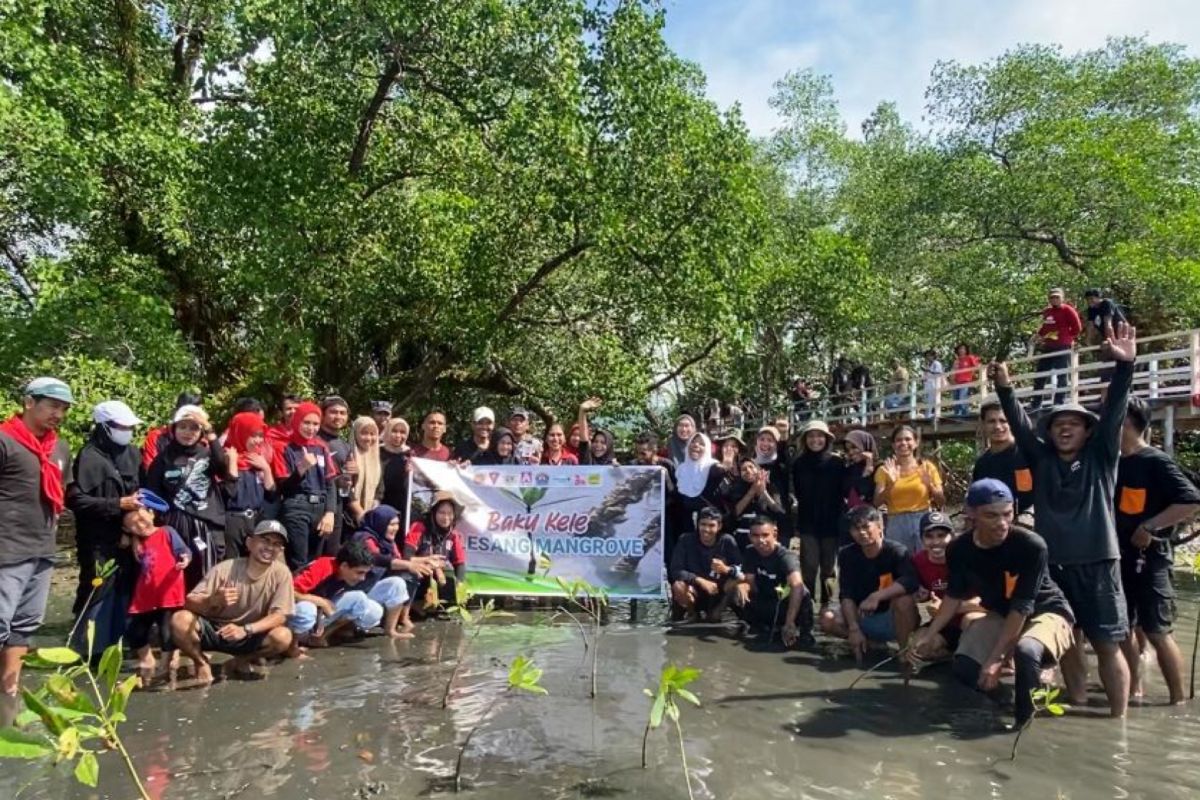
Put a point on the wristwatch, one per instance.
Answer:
(246, 630)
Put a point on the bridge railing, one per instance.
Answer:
(1167, 368)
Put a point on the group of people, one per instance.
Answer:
(1066, 537)
(1061, 328)
(262, 540)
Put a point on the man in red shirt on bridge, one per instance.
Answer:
(1060, 326)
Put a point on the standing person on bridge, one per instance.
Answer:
(1074, 458)
(1101, 313)
(1056, 337)
(964, 374)
(1153, 496)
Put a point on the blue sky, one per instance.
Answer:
(883, 50)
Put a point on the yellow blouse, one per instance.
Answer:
(909, 494)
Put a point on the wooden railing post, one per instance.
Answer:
(1153, 378)
(1074, 376)
(1194, 363)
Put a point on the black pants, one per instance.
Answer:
(1060, 361)
(1027, 666)
(818, 556)
(301, 517)
(139, 630)
(90, 551)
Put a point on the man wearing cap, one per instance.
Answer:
(104, 487)
(483, 420)
(1027, 618)
(934, 574)
(1003, 460)
(34, 468)
(1153, 496)
(240, 608)
(1073, 456)
(381, 412)
(528, 448)
(1054, 340)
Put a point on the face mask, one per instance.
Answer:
(119, 437)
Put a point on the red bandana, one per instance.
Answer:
(52, 478)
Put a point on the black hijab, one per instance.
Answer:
(609, 456)
(492, 457)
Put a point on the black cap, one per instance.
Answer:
(334, 400)
(518, 411)
(1093, 293)
(935, 519)
(380, 407)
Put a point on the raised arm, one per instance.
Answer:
(1121, 346)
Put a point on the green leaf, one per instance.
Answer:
(672, 710)
(656, 710)
(119, 699)
(87, 770)
(68, 744)
(686, 695)
(63, 656)
(110, 667)
(91, 638)
(1055, 709)
(52, 718)
(19, 744)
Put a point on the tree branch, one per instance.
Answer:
(391, 179)
(696, 359)
(544, 271)
(367, 123)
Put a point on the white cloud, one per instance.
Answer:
(878, 51)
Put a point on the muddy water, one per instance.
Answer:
(365, 721)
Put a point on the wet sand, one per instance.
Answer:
(365, 721)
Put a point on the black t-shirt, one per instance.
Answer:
(692, 559)
(859, 576)
(1015, 576)
(1007, 466)
(468, 450)
(1147, 482)
(769, 571)
(1105, 311)
(27, 522)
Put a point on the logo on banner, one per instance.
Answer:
(542, 479)
(479, 478)
(526, 478)
(595, 479)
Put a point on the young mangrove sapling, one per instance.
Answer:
(672, 684)
(523, 676)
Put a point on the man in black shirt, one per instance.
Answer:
(1003, 460)
(475, 445)
(876, 584)
(335, 416)
(1101, 312)
(1153, 496)
(769, 571)
(1008, 568)
(702, 565)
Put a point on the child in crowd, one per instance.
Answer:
(162, 556)
(437, 535)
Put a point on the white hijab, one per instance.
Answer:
(692, 475)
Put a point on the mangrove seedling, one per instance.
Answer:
(591, 601)
(782, 593)
(62, 725)
(1044, 699)
(672, 684)
(474, 621)
(523, 676)
(104, 571)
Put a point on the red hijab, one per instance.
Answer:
(241, 428)
(298, 439)
(52, 477)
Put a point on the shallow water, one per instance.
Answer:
(365, 721)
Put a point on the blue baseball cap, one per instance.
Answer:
(987, 491)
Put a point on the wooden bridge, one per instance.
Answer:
(1166, 376)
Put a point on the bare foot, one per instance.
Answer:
(204, 675)
(401, 634)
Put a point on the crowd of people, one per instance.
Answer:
(263, 540)
(851, 387)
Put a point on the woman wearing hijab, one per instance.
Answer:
(698, 480)
(858, 482)
(436, 539)
(103, 488)
(393, 463)
(817, 486)
(252, 486)
(367, 488)
(305, 472)
(677, 445)
(185, 474)
(750, 495)
(387, 582)
(599, 450)
(502, 449)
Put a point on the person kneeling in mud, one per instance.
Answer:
(876, 586)
(934, 575)
(336, 601)
(702, 566)
(769, 573)
(240, 607)
(436, 537)
(1028, 617)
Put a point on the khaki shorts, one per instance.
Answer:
(1050, 630)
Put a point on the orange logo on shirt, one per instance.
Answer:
(885, 580)
(1024, 480)
(1010, 583)
(1133, 501)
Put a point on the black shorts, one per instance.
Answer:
(1094, 594)
(1149, 594)
(212, 643)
